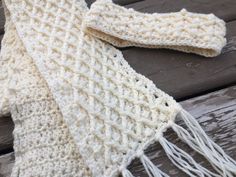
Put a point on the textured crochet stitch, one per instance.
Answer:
(79, 108)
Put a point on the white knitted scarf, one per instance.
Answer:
(114, 113)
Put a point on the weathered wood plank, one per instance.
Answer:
(163, 66)
(216, 112)
(6, 164)
(89, 2)
(1, 36)
(183, 75)
(223, 9)
(2, 19)
(218, 7)
(6, 138)
(6, 128)
(120, 2)
(170, 68)
(204, 6)
(126, 2)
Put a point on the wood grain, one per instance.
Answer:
(216, 112)
(6, 128)
(2, 19)
(224, 9)
(1, 36)
(218, 7)
(89, 2)
(185, 75)
(6, 138)
(120, 2)
(179, 74)
(6, 164)
(126, 2)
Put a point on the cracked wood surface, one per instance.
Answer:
(216, 112)
(179, 74)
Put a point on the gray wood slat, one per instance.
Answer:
(6, 138)
(126, 2)
(1, 36)
(89, 2)
(183, 75)
(6, 128)
(224, 9)
(6, 164)
(120, 2)
(2, 19)
(216, 112)
(179, 74)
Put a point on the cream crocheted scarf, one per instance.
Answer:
(112, 112)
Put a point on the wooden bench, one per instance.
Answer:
(205, 86)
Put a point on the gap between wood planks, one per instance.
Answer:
(185, 75)
(224, 9)
(215, 111)
(199, 75)
(228, 56)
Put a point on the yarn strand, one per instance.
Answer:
(110, 110)
(127, 173)
(150, 168)
(200, 142)
(184, 161)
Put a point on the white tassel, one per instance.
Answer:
(184, 161)
(150, 168)
(200, 142)
(126, 173)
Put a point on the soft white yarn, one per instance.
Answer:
(43, 146)
(112, 112)
(184, 31)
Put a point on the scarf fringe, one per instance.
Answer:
(200, 142)
(195, 137)
(150, 168)
(126, 173)
(184, 161)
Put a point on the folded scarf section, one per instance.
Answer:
(112, 112)
(203, 34)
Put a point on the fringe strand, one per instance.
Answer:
(150, 168)
(200, 142)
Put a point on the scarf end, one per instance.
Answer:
(195, 137)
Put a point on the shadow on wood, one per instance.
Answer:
(216, 112)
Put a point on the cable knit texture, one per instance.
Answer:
(184, 31)
(111, 111)
(42, 143)
(6, 70)
(76, 102)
